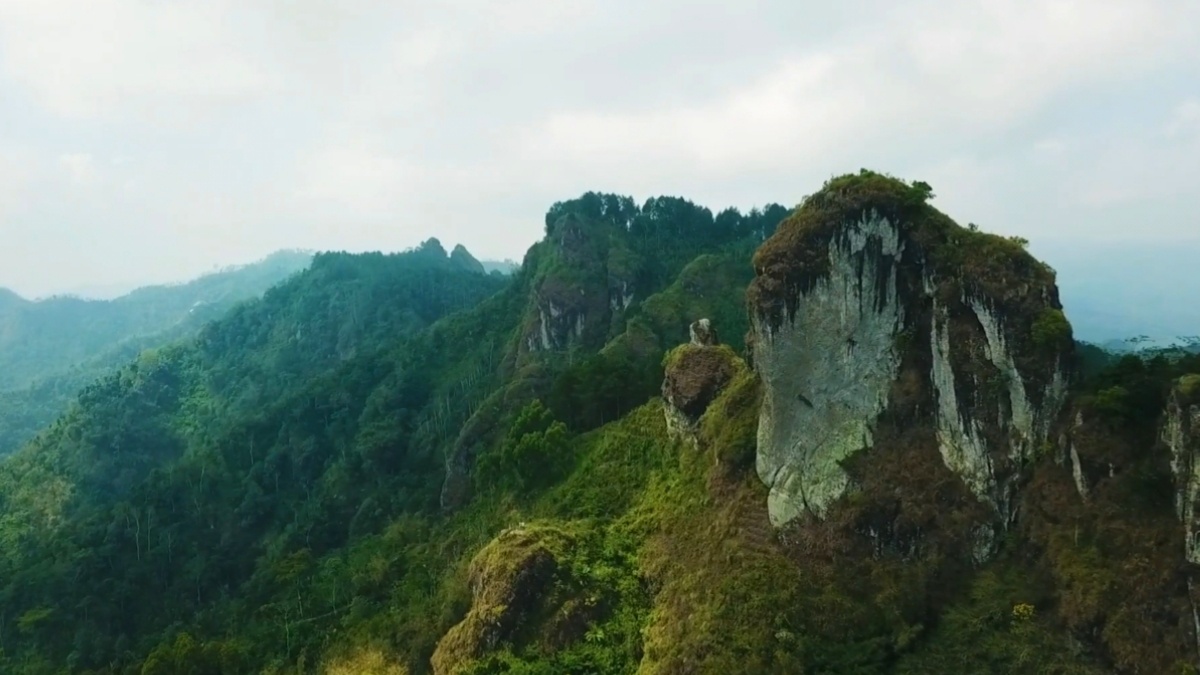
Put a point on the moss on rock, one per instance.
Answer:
(508, 580)
(864, 277)
(695, 375)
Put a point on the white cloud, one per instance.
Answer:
(928, 69)
(259, 124)
(11, 177)
(357, 178)
(1184, 120)
(108, 56)
(80, 167)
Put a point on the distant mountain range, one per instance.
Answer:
(1121, 290)
(52, 348)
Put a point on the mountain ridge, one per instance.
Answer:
(404, 461)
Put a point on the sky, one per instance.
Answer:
(148, 141)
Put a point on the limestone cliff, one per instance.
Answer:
(1181, 435)
(877, 321)
(585, 282)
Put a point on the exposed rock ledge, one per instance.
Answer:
(695, 374)
(1181, 434)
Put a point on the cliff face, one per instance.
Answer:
(694, 375)
(586, 283)
(880, 326)
(1181, 435)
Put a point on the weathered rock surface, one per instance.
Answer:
(585, 282)
(508, 579)
(1181, 434)
(702, 333)
(694, 375)
(865, 281)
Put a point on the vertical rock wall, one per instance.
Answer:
(865, 277)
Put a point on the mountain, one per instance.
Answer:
(850, 438)
(51, 349)
(49, 336)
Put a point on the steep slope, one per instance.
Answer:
(45, 338)
(27, 410)
(690, 560)
(891, 325)
(265, 497)
(923, 456)
(946, 530)
(402, 464)
(168, 476)
(586, 341)
(51, 349)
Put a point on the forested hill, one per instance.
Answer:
(403, 464)
(51, 348)
(271, 493)
(49, 336)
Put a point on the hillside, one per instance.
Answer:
(852, 438)
(49, 336)
(51, 349)
(300, 431)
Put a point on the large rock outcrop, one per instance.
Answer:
(509, 580)
(1181, 435)
(694, 375)
(585, 281)
(869, 304)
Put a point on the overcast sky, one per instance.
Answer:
(149, 140)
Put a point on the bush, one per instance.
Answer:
(1051, 329)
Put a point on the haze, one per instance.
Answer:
(147, 141)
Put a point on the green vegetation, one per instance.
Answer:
(404, 464)
(268, 493)
(51, 349)
(1051, 330)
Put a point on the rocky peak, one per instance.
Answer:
(703, 334)
(433, 246)
(694, 375)
(584, 281)
(879, 327)
(464, 259)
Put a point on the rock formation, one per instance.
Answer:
(463, 257)
(695, 374)
(1181, 434)
(508, 579)
(870, 305)
(584, 281)
(702, 333)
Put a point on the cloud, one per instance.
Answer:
(260, 124)
(357, 178)
(11, 176)
(80, 167)
(1185, 120)
(971, 69)
(105, 57)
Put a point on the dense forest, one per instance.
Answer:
(51, 349)
(406, 464)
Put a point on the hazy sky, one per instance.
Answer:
(148, 140)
